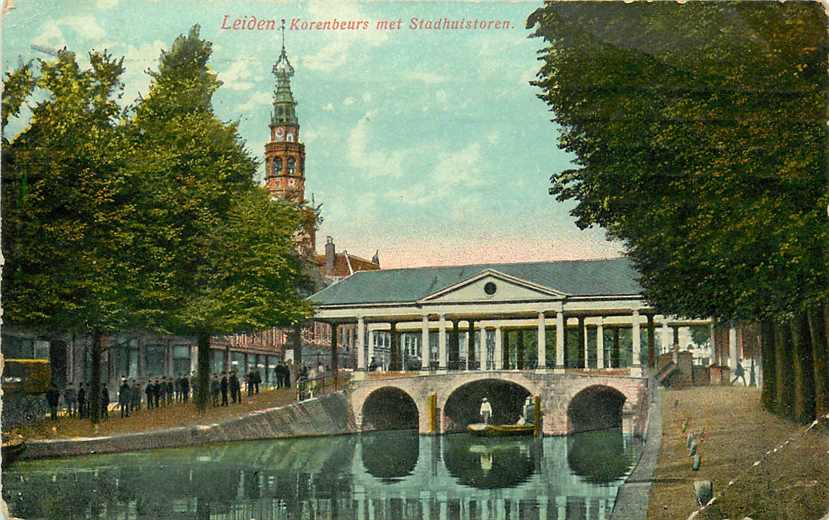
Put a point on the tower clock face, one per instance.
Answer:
(280, 133)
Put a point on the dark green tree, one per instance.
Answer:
(699, 135)
(224, 253)
(67, 217)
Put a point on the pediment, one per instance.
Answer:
(493, 286)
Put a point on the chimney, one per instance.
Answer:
(330, 253)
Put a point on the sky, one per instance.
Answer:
(429, 146)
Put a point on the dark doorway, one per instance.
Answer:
(463, 406)
(596, 408)
(389, 409)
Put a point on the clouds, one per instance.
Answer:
(368, 157)
(255, 101)
(337, 49)
(85, 27)
(242, 74)
(137, 60)
(429, 78)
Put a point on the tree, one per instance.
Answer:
(224, 256)
(699, 138)
(67, 216)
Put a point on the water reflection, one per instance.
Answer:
(490, 463)
(599, 457)
(380, 476)
(392, 456)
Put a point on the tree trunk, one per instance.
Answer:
(783, 370)
(817, 335)
(804, 382)
(94, 398)
(203, 374)
(769, 393)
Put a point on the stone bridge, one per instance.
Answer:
(444, 403)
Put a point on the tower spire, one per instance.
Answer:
(284, 106)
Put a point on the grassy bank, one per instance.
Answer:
(791, 484)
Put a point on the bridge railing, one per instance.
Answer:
(308, 388)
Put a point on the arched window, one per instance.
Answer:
(277, 165)
(290, 137)
(291, 165)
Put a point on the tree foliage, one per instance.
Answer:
(68, 211)
(699, 132)
(699, 138)
(144, 218)
(225, 259)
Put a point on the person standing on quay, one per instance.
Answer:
(53, 399)
(135, 396)
(249, 383)
(256, 380)
(170, 390)
(215, 390)
(81, 401)
(104, 402)
(185, 388)
(149, 390)
(124, 398)
(235, 388)
(157, 389)
(224, 385)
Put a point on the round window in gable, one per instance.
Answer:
(490, 288)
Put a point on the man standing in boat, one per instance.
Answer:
(529, 411)
(486, 410)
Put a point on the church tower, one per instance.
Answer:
(284, 153)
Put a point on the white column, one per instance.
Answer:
(361, 352)
(712, 344)
(372, 338)
(636, 368)
(666, 336)
(586, 346)
(424, 344)
(561, 330)
(470, 341)
(732, 347)
(484, 359)
(442, 359)
(499, 354)
(600, 344)
(542, 342)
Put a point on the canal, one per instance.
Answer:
(377, 476)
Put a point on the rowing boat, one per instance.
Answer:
(500, 430)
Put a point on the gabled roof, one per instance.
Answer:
(342, 261)
(610, 277)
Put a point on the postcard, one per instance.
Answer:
(448, 260)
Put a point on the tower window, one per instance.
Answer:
(277, 165)
(291, 165)
(290, 137)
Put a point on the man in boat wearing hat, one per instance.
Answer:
(486, 410)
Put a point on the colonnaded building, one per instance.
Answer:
(431, 342)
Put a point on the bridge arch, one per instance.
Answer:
(596, 407)
(463, 402)
(389, 408)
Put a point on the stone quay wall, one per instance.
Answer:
(326, 415)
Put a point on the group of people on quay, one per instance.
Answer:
(225, 388)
